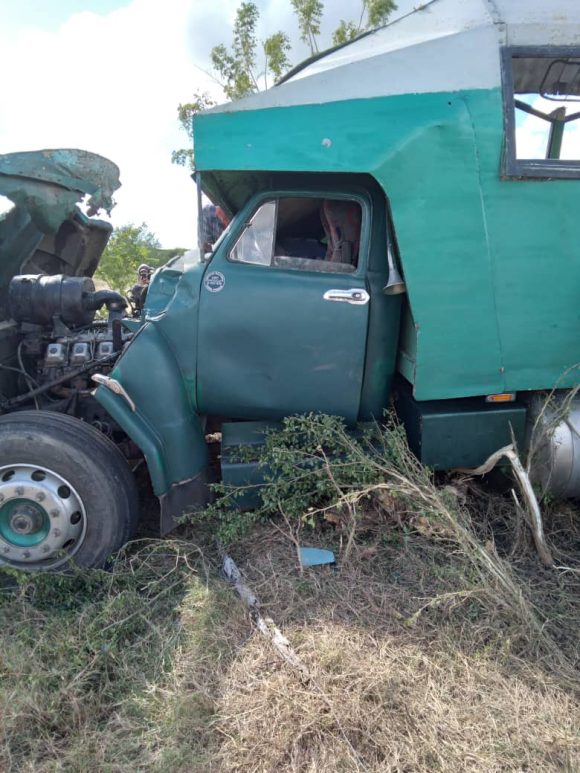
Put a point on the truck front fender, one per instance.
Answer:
(163, 425)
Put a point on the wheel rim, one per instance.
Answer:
(42, 518)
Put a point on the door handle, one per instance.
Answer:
(355, 295)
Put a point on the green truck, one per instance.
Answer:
(404, 229)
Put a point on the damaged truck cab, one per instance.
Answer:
(404, 230)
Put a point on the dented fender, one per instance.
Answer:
(164, 424)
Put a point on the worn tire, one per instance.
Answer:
(90, 464)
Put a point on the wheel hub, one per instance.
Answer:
(26, 518)
(42, 518)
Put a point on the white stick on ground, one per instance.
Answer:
(270, 630)
(533, 508)
(265, 625)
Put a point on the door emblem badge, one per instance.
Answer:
(215, 281)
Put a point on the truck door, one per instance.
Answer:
(284, 311)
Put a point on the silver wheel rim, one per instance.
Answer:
(42, 518)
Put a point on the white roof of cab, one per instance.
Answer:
(442, 45)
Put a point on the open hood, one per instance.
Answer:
(45, 231)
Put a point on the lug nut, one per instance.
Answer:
(19, 491)
(1, 497)
(40, 497)
(56, 532)
(6, 550)
(55, 513)
(26, 554)
(45, 548)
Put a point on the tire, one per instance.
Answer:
(67, 495)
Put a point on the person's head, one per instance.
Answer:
(144, 273)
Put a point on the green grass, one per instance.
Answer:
(87, 663)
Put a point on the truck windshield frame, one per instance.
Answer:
(513, 167)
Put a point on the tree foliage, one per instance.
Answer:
(276, 50)
(378, 12)
(185, 112)
(237, 67)
(309, 15)
(373, 14)
(239, 70)
(249, 64)
(129, 246)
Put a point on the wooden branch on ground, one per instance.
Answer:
(265, 625)
(533, 508)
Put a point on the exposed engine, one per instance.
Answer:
(38, 299)
(62, 344)
(60, 337)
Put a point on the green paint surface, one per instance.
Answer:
(492, 266)
(264, 346)
(269, 345)
(158, 372)
(15, 538)
(458, 433)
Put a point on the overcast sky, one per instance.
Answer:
(107, 76)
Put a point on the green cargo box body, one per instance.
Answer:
(492, 265)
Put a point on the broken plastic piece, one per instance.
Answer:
(316, 557)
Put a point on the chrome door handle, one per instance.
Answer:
(355, 295)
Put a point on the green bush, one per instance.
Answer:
(315, 464)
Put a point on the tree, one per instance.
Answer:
(309, 15)
(248, 64)
(129, 246)
(374, 13)
(237, 68)
(185, 112)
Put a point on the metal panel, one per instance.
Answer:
(440, 45)
(491, 266)
(458, 433)
(270, 345)
(419, 65)
(235, 472)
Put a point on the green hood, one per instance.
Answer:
(45, 231)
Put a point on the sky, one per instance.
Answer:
(532, 133)
(107, 76)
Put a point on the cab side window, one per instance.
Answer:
(542, 112)
(303, 233)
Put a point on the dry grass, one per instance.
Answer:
(410, 671)
(441, 644)
(390, 703)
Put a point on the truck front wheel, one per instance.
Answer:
(66, 493)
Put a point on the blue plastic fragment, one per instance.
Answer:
(316, 556)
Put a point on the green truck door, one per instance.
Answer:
(280, 335)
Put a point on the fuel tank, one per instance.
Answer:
(554, 443)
